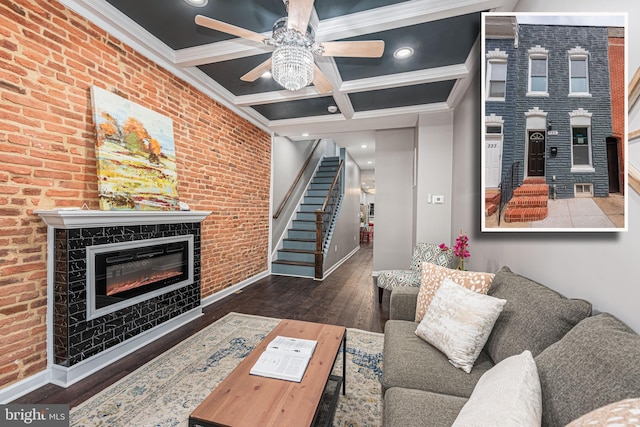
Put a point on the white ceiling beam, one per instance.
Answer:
(398, 15)
(218, 52)
(450, 72)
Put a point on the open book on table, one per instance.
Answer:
(285, 358)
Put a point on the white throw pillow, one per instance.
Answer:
(507, 395)
(458, 323)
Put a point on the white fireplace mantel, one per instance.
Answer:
(83, 218)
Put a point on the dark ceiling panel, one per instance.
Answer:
(293, 109)
(332, 8)
(172, 21)
(402, 96)
(228, 74)
(436, 44)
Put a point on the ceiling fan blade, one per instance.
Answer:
(255, 74)
(299, 15)
(320, 81)
(214, 24)
(363, 49)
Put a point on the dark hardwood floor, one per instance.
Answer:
(348, 297)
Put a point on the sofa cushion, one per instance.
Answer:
(507, 395)
(432, 277)
(458, 322)
(405, 407)
(596, 363)
(533, 318)
(412, 363)
(623, 413)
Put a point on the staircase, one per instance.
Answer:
(529, 201)
(297, 256)
(491, 201)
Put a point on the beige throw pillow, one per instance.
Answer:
(458, 322)
(507, 395)
(623, 413)
(432, 277)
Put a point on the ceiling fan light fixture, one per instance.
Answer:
(292, 66)
(403, 52)
(197, 3)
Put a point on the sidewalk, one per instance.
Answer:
(597, 212)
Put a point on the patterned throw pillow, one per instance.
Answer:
(432, 277)
(623, 413)
(458, 322)
(508, 394)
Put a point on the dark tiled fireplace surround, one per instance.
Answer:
(79, 345)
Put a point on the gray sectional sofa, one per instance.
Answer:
(584, 361)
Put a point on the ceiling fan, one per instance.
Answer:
(292, 63)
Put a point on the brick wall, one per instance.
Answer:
(49, 58)
(558, 40)
(618, 83)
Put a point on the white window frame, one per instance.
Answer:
(538, 52)
(495, 57)
(581, 118)
(579, 54)
(583, 185)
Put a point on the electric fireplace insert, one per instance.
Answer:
(123, 274)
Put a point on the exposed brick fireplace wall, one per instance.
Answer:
(49, 58)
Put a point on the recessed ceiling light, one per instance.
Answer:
(305, 134)
(369, 162)
(403, 52)
(363, 146)
(197, 3)
(266, 75)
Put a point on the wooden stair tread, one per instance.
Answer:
(298, 263)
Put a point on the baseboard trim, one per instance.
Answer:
(64, 377)
(232, 289)
(16, 390)
(342, 261)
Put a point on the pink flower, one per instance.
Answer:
(444, 247)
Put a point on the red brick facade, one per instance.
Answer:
(49, 58)
(618, 84)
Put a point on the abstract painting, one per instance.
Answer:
(135, 155)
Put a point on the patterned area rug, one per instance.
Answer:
(167, 389)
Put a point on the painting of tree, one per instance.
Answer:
(135, 155)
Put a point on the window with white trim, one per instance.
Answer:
(538, 71)
(496, 78)
(580, 144)
(581, 159)
(579, 72)
(583, 190)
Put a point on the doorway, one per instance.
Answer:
(535, 164)
(613, 165)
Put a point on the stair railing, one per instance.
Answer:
(508, 183)
(296, 180)
(323, 220)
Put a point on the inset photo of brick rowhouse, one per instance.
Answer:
(553, 122)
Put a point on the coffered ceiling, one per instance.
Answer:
(369, 93)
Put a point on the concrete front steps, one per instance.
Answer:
(529, 202)
(297, 256)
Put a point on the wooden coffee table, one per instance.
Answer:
(249, 400)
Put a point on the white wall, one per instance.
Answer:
(435, 149)
(394, 206)
(599, 267)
